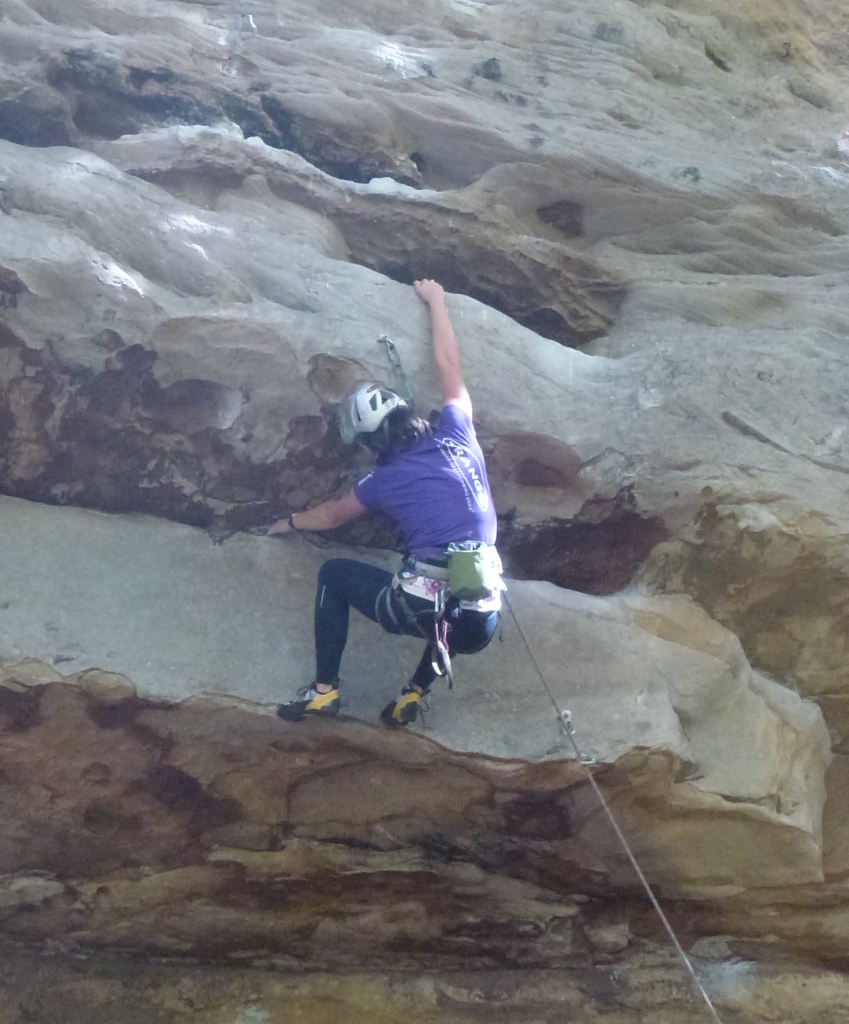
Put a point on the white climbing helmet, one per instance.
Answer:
(365, 409)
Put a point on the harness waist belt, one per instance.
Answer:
(432, 570)
(428, 588)
(421, 586)
(426, 579)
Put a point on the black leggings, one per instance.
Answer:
(344, 583)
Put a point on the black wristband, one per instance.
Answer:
(291, 523)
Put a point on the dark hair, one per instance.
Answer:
(399, 431)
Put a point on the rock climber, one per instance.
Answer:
(433, 483)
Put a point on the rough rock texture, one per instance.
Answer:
(210, 827)
(111, 988)
(183, 615)
(208, 215)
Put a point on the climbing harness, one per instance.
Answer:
(478, 581)
(395, 362)
(565, 721)
(429, 583)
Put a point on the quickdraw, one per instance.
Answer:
(395, 361)
(441, 661)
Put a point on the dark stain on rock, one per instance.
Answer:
(37, 116)
(714, 58)
(20, 710)
(489, 69)
(531, 459)
(11, 286)
(537, 815)
(7, 423)
(115, 715)
(97, 774)
(180, 792)
(566, 215)
(174, 788)
(190, 406)
(119, 441)
(331, 377)
(597, 552)
(531, 473)
(107, 818)
(305, 432)
(8, 339)
(109, 340)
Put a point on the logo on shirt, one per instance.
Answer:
(468, 470)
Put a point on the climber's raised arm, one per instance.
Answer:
(445, 349)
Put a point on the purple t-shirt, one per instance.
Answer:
(437, 490)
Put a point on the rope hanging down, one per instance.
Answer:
(565, 720)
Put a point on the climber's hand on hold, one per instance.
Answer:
(281, 526)
(445, 351)
(326, 516)
(429, 291)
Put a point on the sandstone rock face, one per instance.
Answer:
(184, 616)
(59, 987)
(146, 824)
(209, 213)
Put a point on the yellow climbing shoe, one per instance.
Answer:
(310, 702)
(406, 708)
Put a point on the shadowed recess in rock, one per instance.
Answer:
(556, 291)
(597, 552)
(542, 286)
(88, 95)
(543, 283)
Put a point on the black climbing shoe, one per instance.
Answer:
(406, 708)
(311, 702)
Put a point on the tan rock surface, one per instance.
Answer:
(687, 160)
(208, 214)
(202, 828)
(79, 991)
(649, 674)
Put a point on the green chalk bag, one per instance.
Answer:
(474, 570)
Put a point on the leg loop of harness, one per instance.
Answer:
(411, 616)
